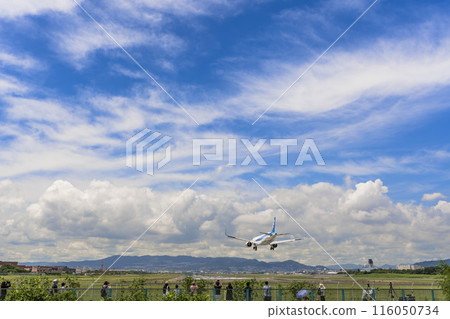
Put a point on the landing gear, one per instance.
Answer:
(255, 248)
(272, 247)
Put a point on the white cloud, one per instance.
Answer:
(180, 7)
(84, 37)
(20, 61)
(388, 68)
(9, 84)
(102, 219)
(64, 137)
(19, 8)
(431, 197)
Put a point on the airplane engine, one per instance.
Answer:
(249, 244)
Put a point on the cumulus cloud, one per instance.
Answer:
(102, 219)
(431, 197)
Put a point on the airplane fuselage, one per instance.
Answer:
(263, 239)
(267, 239)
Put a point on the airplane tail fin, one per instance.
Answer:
(274, 224)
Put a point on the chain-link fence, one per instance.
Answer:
(277, 294)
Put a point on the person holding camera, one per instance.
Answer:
(4, 289)
(217, 289)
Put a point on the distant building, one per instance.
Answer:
(52, 270)
(82, 270)
(11, 263)
(15, 264)
(409, 267)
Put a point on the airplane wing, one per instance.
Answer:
(242, 239)
(285, 241)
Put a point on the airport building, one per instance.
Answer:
(409, 267)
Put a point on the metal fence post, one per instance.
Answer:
(214, 294)
(110, 293)
(312, 294)
(432, 294)
(248, 294)
(146, 293)
(343, 295)
(280, 294)
(403, 294)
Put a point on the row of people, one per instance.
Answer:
(267, 290)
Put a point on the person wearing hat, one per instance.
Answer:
(54, 290)
(321, 292)
(166, 289)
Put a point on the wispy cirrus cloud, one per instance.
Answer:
(17, 9)
(388, 68)
(20, 61)
(83, 39)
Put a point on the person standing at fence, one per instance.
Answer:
(248, 291)
(217, 289)
(177, 291)
(194, 288)
(370, 292)
(166, 289)
(229, 295)
(392, 292)
(104, 290)
(367, 293)
(364, 295)
(54, 289)
(4, 289)
(63, 287)
(267, 292)
(321, 292)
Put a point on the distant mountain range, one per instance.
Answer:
(432, 263)
(206, 264)
(187, 263)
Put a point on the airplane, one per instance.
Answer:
(265, 238)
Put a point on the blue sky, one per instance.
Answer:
(376, 105)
